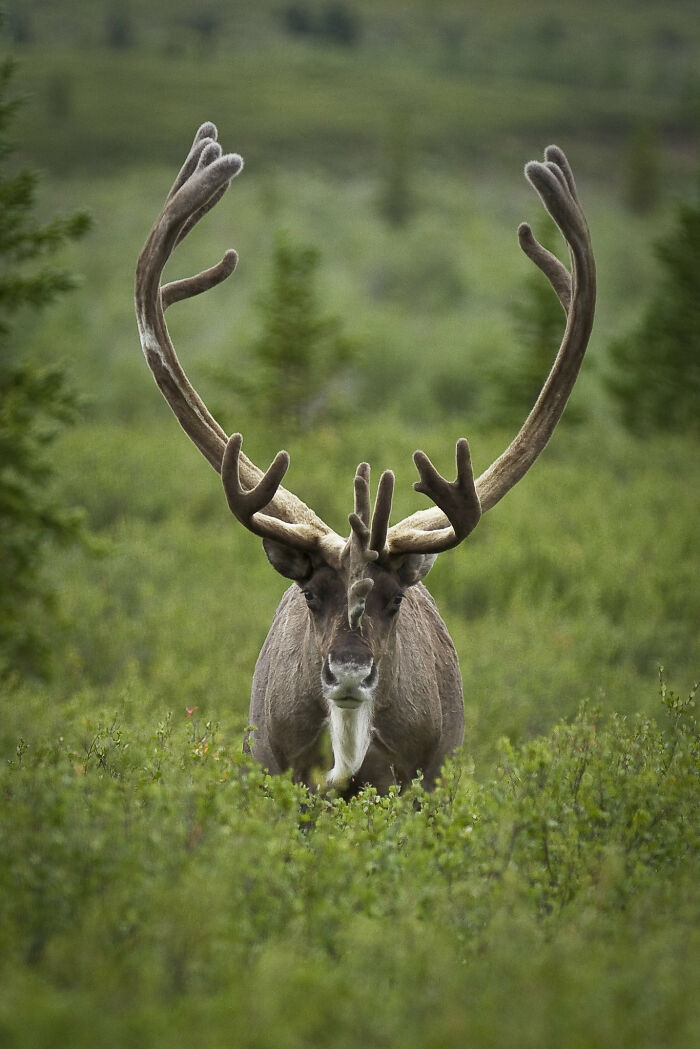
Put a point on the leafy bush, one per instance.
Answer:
(155, 886)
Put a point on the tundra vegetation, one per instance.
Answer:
(158, 888)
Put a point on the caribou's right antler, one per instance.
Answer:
(203, 179)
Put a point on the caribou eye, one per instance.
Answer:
(310, 597)
(395, 604)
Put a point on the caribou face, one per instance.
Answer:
(351, 634)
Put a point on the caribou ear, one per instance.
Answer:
(291, 563)
(414, 567)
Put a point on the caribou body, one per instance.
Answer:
(391, 695)
(357, 644)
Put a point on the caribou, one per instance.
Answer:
(357, 646)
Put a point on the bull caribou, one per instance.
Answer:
(357, 644)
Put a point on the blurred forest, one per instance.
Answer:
(384, 145)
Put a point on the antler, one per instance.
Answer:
(366, 545)
(248, 504)
(456, 511)
(256, 498)
(457, 508)
(201, 183)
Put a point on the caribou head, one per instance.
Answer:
(357, 643)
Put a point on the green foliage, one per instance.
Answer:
(35, 402)
(156, 887)
(593, 801)
(563, 593)
(656, 381)
(300, 354)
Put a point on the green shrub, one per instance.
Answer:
(155, 886)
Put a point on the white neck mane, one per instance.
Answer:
(351, 735)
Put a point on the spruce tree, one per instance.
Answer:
(300, 351)
(655, 378)
(36, 400)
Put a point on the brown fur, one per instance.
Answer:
(418, 709)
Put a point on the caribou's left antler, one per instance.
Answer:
(455, 513)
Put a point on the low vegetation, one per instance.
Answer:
(157, 889)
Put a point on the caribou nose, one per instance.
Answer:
(350, 673)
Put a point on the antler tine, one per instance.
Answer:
(206, 133)
(358, 592)
(371, 542)
(204, 151)
(362, 504)
(359, 548)
(554, 270)
(366, 546)
(211, 152)
(358, 551)
(437, 529)
(187, 288)
(558, 160)
(382, 511)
